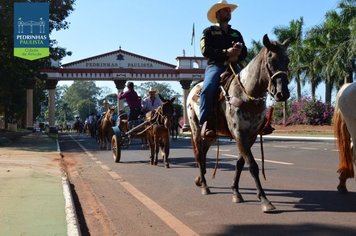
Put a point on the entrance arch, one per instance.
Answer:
(120, 66)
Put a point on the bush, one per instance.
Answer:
(306, 112)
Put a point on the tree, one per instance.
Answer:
(253, 51)
(312, 63)
(335, 40)
(295, 33)
(81, 98)
(16, 73)
(163, 88)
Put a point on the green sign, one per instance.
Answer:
(31, 31)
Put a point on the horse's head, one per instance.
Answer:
(110, 114)
(167, 110)
(276, 60)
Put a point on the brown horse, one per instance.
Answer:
(157, 131)
(345, 132)
(106, 131)
(241, 113)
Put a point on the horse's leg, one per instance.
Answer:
(151, 144)
(265, 203)
(245, 149)
(156, 143)
(341, 188)
(108, 142)
(236, 197)
(200, 150)
(101, 138)
(165, 148)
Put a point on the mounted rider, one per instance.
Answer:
(221, 44)
(225, 49)
(133, 101)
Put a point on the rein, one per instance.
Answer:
(269, 82)
(155, 120)
(255, 99)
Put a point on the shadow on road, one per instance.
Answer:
(290, 230)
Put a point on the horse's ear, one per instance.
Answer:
(172, 100)
(160, 97)
(266, 41)
(268, 44)
(286, 43)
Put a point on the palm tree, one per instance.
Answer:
(295, 33)
(312, 64)
(256, 47)
(337, 45)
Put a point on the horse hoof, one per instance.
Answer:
(342, 189)
(197, 181)
(205, 191)
(267, 207)
(167, 165)
(237, 198)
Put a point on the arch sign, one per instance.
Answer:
(124, 65)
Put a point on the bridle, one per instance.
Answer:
(271, 77)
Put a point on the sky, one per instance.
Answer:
(162, 29)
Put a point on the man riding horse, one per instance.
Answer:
(222, 45)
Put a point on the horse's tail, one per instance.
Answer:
(343, 141)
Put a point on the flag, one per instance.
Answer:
(193, 35)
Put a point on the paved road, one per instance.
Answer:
(134, 198)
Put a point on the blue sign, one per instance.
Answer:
(31, 31)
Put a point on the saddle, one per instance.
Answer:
(217, 122)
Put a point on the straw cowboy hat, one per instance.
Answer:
(152, 90)
(218, 6)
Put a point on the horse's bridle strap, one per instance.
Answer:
(241, 85)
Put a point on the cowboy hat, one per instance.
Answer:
(152, 90)
(218, 6)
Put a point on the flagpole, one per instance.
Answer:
(193, 38)
(194, 46)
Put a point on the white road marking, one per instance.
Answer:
(275, 146)
(174, 223)
(308, 148)
(270, 161)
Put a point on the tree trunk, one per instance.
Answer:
(328, 90)
(349, 77)
(299, 87)
(284, 113)
(312, 87)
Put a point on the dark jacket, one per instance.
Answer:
(214, 40)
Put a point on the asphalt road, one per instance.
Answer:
(134, 198)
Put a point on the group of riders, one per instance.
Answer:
(138, 108)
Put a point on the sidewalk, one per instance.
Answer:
(34, 195)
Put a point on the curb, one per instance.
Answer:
(280, 138)
(71, 216)
(298, 138)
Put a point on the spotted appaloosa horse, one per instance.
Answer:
(241, 113)
(157, 131)
(106, 131)
(345, 132)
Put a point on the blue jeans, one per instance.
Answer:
(209, 91)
